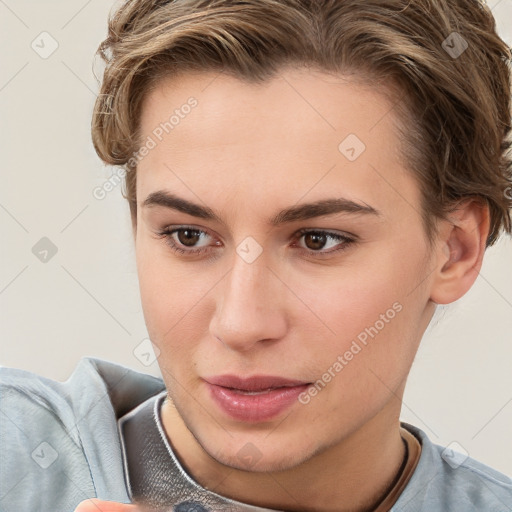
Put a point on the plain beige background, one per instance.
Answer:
(83, 300)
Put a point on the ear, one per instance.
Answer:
(460, 251)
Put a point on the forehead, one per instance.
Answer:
(295, 103)
(300, 133)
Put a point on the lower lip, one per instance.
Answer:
(255, 408)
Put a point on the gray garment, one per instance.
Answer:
(60, 444)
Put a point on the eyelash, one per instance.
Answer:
(167, 233)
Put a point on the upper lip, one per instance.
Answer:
(254, 383)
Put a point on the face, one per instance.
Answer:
(282, 327)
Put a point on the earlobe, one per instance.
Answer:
(461, 247)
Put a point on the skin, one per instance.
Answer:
(95, 505)
(246, 152)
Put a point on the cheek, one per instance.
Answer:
(362, 365)
(174, 300)
(370, 308)
(164, 296)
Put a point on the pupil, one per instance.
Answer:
(318, 240)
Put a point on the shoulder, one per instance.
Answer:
(93, 383)
(62, 436)
(447, 479)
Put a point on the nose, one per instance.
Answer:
(250, 308)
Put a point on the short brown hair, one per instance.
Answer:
(454, 106)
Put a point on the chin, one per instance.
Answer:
(257, 454)
(258, 450)
(267, 463)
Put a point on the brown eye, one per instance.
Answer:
(193, 242)
(188, 237)
(323, 243)
(186, 240)
(315, 241)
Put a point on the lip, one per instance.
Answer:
(254, 399)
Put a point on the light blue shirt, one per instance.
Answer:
(60, 444)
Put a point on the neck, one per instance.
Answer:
(352, 476)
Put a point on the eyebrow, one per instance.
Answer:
(294, 213)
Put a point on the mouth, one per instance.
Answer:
(250, 393)
(254, 399)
